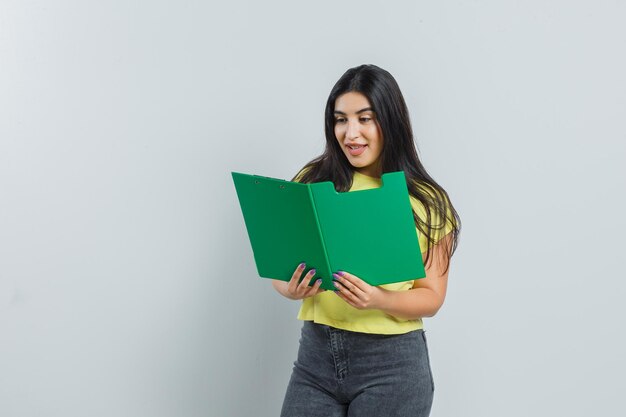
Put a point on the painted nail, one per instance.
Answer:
(335, 276)
(341, 273)
(336, 284)
(301, 265)
(312, 272)
(319, 281)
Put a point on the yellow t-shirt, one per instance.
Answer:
(329, 309)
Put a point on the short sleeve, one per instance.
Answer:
(439, 227)
(300, 174)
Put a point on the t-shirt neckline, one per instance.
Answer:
(367, 176)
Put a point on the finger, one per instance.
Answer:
(304, 284)
(295, 278)
(315, 289)
(343, 290)
(349, 285)
(353, 300)
(346, 298)
(354, 280)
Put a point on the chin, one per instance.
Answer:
(361, 165)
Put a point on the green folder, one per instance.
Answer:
(368, 233)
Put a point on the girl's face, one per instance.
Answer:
(358, 133)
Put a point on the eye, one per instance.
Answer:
(365, 119)
(340, 120)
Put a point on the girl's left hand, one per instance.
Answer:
(356, 292)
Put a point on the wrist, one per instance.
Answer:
(380, 299)
(280, 287)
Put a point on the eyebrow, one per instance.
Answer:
(360, 111)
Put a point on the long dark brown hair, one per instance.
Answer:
(398, 154)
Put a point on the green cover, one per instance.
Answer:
(369, 233)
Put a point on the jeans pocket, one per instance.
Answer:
(430, 372)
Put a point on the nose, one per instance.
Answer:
(352, 130)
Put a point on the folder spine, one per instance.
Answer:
(326, 280)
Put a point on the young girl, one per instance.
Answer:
(362, 349)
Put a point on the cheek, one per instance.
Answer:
(379, 146)
(376, 137)
(338, 132)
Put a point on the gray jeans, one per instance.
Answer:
(342, 373)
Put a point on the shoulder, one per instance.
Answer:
(434, 210)
(301, 173)
(429, 198)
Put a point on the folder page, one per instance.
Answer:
(370, 233)
(282, 226)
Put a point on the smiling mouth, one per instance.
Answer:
(356, 150)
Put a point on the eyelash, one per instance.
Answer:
(361, 119)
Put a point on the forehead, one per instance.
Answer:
(351, 102)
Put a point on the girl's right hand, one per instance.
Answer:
(296, 289)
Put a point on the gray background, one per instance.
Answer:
(127, 283)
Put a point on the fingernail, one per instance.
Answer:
(340, 273)
(319, 281)
(312, 271)
(301, 265)
(335, 276)
(336, 284)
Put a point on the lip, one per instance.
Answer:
(356, 152)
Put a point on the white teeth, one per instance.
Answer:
(356, 147)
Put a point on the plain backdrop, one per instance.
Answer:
(127, 281)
